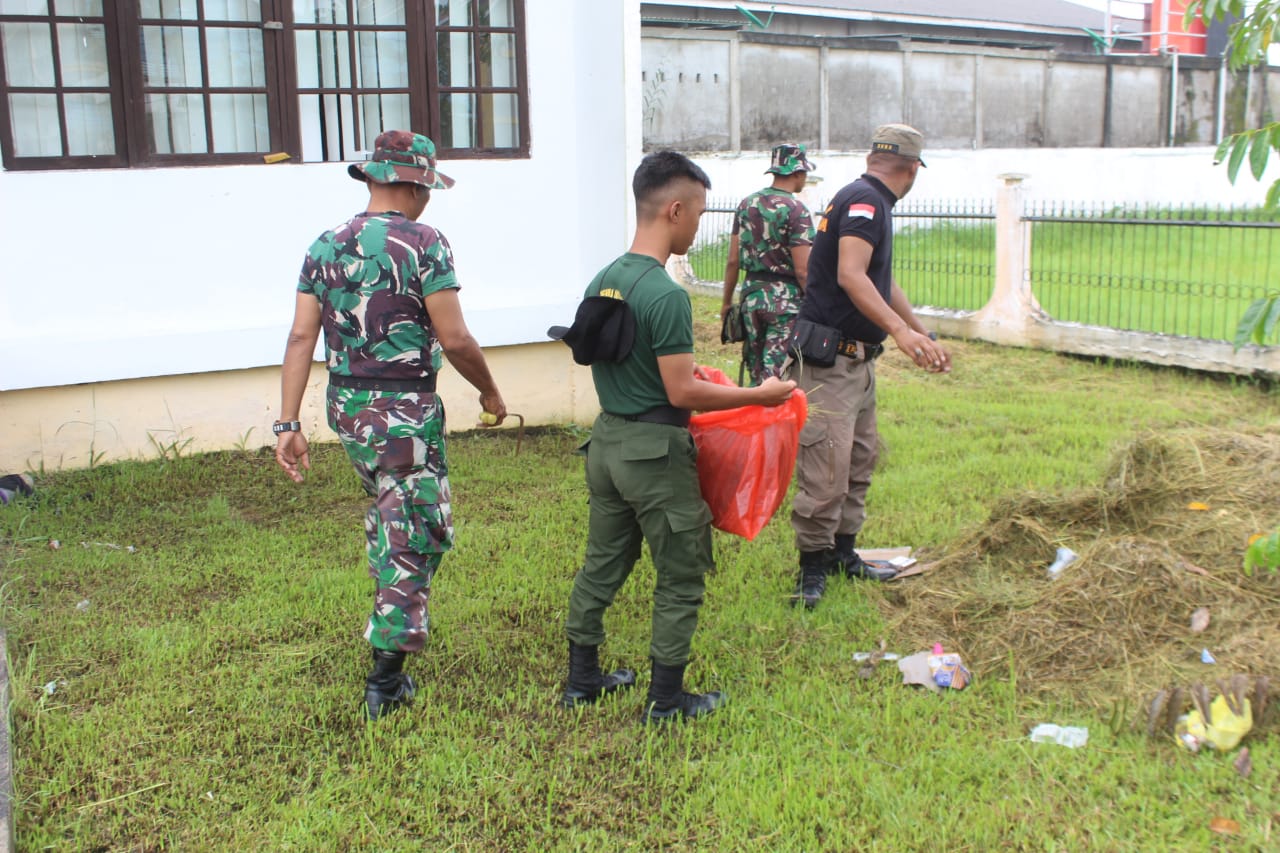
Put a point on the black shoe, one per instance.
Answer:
(812, 581)
(688, 706)
(669, 701)
(586, 682)
(853, 566)
(387, 688)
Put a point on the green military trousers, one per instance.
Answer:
(643, 482)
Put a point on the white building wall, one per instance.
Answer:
(1182, 177)
(148, 308)
(116, 274)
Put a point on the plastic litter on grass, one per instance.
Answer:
(1114, 627)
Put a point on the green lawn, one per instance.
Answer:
(1179, 280)
(200, 692)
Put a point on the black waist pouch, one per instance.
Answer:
(814, 344)
(734, 328)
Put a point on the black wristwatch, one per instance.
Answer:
(286, 426)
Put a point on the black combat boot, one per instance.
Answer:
(668, 701)
(387, 688)
(848, 561)
(812, 582)
(586, 682)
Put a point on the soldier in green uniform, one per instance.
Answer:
(382, 288)
(770, 239)
(640, 465)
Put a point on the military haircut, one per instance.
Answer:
(890, 162)
(658, 173)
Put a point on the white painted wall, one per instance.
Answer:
(119, 274)
(1174, 176)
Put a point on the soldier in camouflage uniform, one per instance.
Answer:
(770, 239)
(382, 288)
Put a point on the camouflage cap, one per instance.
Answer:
(401, 156)
(787, 159)
(898, 139)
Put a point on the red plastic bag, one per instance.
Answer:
(745, 459)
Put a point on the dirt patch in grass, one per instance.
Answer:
(1163, 536)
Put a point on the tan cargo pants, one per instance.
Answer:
(838, 447)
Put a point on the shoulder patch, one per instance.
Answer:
(865, 211)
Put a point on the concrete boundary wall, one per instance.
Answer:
(707, 91)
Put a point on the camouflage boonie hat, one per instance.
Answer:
(400, 156)
(787, 159)
(898, 139)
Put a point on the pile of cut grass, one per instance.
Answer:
(1163, 536)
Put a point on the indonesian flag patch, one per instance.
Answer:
(866, 211)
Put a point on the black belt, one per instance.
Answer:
(761, 275)
(425, 385)
(859, 350)
(667, 415)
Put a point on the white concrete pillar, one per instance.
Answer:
(1012, 310)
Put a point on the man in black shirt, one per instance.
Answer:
(852, 292)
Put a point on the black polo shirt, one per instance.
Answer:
(862, 209)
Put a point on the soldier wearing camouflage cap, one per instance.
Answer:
(769, 242)
(382, 288)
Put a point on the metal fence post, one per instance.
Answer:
(1012, 309)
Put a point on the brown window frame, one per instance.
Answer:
(435, 90)
(65, 161)
(122, 23)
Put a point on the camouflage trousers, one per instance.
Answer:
(769, 310)
(395, 441)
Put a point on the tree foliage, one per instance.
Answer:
(1249, 37)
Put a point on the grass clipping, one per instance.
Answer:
(1163, 537)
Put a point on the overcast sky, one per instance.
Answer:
(1118, 7)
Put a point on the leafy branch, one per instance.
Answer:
(1250, 36)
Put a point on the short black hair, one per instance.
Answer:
(890, 162)
(659, 169)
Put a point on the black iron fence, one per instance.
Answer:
(1185, 271)
(944, 253)
(710, 249)
(1180, 271)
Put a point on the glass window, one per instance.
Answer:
(38, 131)
(28, 54)
(353, 79)
(82, 52)
(453, 13)
(73, 8)
(24, 7)
(171, 9)
(171, 57)
(478, 69)
(212, 78)
(90, 130)
(60, 67)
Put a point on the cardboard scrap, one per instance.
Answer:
(883, 553)
(899, 559)
(915, 670)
